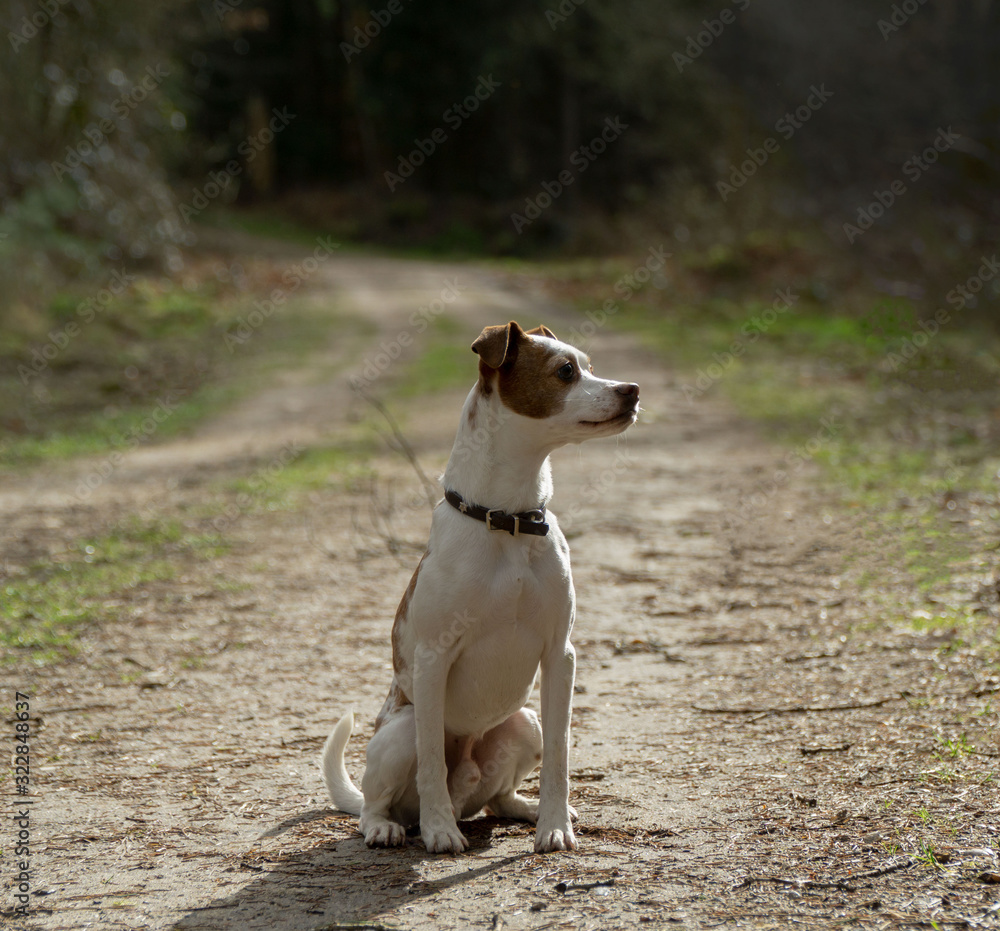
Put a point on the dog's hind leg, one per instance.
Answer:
(464, 777)
(390, 782)
(506, 755)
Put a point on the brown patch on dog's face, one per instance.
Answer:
(535, 385)
(533, 378)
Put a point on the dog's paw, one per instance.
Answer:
(444, 840)
(549, 839)
(386, 834)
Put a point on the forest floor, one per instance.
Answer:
(758, 742)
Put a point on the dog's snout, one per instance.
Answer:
(628, 390)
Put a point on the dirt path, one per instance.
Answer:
(175, 760)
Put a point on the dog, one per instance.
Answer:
(489, 606)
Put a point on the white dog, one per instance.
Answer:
(490, 604)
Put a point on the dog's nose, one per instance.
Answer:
(628, 390)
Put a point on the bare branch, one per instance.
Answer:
(401, 445)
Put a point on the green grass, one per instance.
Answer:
(909, 444)
(440, 368)
(916, 430)
(265, 223)
(367, 227)
(292, 475)
(117, 429)
(44, 608)
(445, 362)
(174, 365)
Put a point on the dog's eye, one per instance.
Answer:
(567, 372)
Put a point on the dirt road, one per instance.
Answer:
(753, 744)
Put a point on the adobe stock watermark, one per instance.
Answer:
(134, 437)
(792, 463)
(563, 12)
(49, 11)
(292, 278)
(958, 297)
(60, 338)
(431, 651)
(20, 762)
(222, 7)
(626, 286)
(366, 34)
(786, 127)
(249, 148)
(751, 331)
(699, 41)
(468, 443)
(97, 134)
(900, 14)
(453, 117)
(390, 350)
(258, 483)
(912, 168)
(580, 159)
(597, 488)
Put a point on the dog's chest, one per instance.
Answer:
(509, 609)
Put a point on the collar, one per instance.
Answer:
(532, 522)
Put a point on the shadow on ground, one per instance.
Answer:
(343, 883)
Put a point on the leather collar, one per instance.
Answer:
(532, 522)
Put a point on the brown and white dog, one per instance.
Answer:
(490, 604)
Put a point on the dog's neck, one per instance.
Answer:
(495, 462)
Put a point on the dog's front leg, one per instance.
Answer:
(438, 828)
(555, 828)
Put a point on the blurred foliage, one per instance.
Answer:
(88, 92)
(74, 384)
(185, 89)
(123, 125)
(894, 408)
(696, 82)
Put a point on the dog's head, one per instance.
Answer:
(537, 376)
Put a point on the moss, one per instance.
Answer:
(45, 608)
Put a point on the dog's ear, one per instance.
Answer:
(497, 344)
(492, 345)
(542, 331)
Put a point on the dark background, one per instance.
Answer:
(895, 77)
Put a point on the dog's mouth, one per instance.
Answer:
(624, 417)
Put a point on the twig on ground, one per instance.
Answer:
(805, 657)
(401, 445)
(844, 883)
(796, 709)
(725, 642)
(986, 690)
(571, 886)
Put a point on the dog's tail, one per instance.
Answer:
(344, 793)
